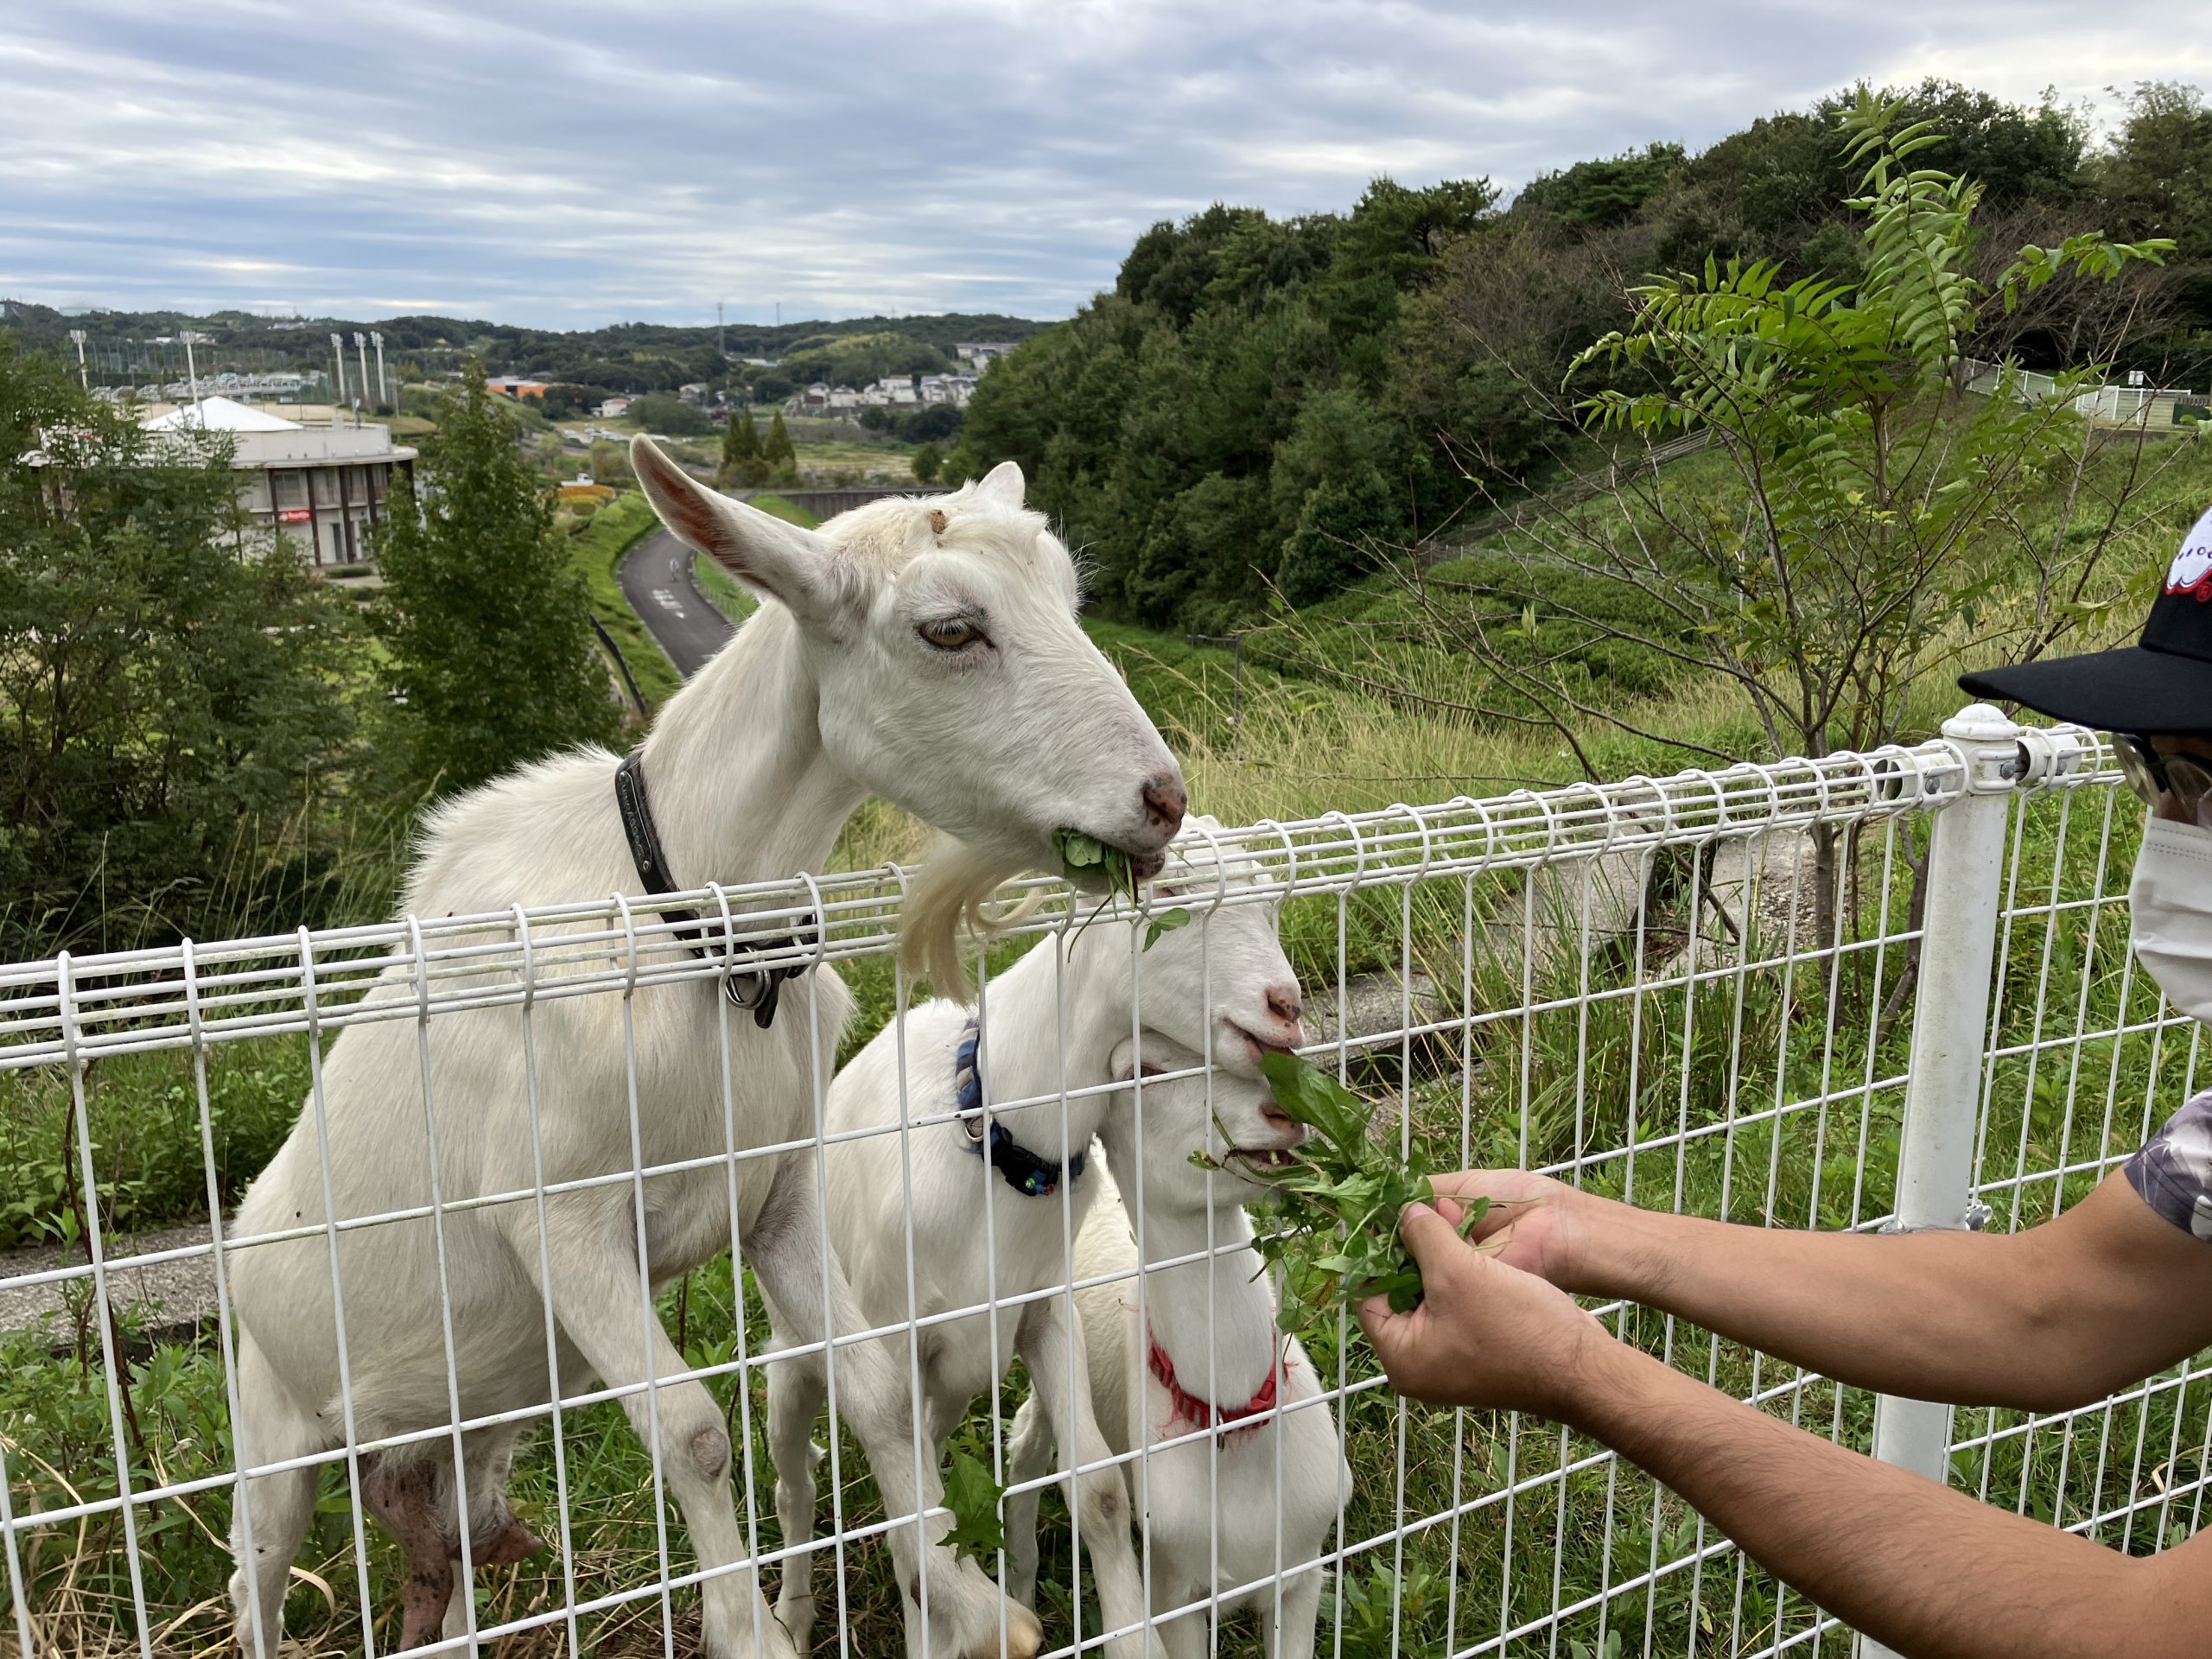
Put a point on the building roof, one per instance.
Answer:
(220, 415)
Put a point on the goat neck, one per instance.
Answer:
(1035, 1013)
(1222, 1293)
(740, 787)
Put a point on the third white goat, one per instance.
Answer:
(1185, 1343)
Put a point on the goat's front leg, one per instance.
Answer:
(1029, 1455)
(1290, 1628)
(788, 1250)
(794, 1401)
(1050, 1345)
(596, 1295)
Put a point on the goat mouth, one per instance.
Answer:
(1265, 1161)
(1104, 878)
(1260, 1047)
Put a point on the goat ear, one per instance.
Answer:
(1002, 485)
(1121, 1065)
(781, 559)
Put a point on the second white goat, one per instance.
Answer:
(976, 1206)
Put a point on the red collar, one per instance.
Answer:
(1203, 1413)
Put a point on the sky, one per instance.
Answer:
(568, 166)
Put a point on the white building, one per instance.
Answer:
(953, 389)
(614, 409)
(324, 486)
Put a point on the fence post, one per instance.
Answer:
(1950, 1021)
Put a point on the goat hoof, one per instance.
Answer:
(1024, 1635)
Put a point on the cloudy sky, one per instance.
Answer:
(573, 164)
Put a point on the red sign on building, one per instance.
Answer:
(295, 516)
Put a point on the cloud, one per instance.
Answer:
(563, 163)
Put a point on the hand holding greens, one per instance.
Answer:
(1333, 1220)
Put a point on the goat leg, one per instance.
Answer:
(508, 1544)
(405, 1499)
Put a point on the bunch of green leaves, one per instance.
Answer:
(1086, 861)
(1333, 1213)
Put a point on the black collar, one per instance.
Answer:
(756, 989)
(1025, 1172)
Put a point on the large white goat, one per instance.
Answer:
(925, 650)
(1242, 1512)
(990, 1195)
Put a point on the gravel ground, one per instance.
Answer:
(176, 1294)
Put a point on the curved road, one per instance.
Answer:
(657, 580)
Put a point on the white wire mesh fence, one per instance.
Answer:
(1702, 993)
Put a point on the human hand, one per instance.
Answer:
(1486, 1333)
(1536, 1224)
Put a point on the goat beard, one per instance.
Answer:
(944, 912)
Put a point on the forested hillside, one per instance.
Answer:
(627, 357)
(1265, 402)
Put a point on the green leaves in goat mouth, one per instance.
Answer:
(1082, 856)
(1331, 1221)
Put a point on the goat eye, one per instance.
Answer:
(950, 633)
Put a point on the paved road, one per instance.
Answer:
(657, 581)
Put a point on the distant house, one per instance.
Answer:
(692, 391)
(613, 409)
(981, 352)
(953, 389)
(515, 386)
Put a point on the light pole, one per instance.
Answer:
(384, 388)
(361, 350)
(191, 370)
(337, 348)
(83, 374)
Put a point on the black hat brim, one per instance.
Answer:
(2148, 693)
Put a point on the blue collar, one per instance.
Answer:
(1025, 1172)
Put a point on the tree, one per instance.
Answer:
(487, 623)
(173, 684)
(1597, 194)
(928, 462)
(741, 456)
(2157, 182)
(657, 411)
(776, 448)
(1872, 523)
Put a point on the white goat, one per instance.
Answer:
(974, 1215)
(1245, 1511)
(925, 650)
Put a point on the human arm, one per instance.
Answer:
(1927, 1570)
(2045, 1318)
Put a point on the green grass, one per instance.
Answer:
(723, 591)
(600, 548)
(770, 503)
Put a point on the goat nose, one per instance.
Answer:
(1165, 802)
(1284, 1003)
